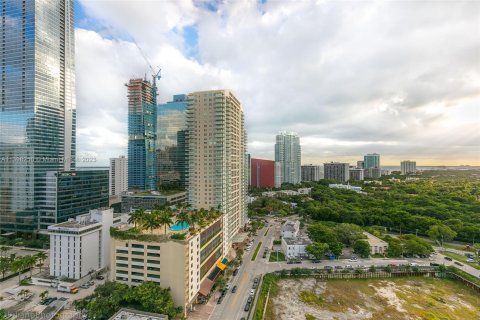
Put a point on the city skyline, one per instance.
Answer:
(403, 94)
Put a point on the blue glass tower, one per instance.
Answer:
(142, 133)
(37, 105)
(171, 147)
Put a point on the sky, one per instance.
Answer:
(399, 78)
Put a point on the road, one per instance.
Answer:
(233, 304)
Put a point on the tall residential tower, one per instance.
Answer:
(37, 105)
(288, 154)
(217, 158)
(142, 133)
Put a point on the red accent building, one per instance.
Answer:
(262, 173)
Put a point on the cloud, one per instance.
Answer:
(399, 78)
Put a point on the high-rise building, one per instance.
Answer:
(278, 174)
(371, 160)
(171, 148)
(288, 153)
(72, 193)
(373, 173)
(263, 173)
(360, 164)
(336, 171)
(356, 174)
(37, 105)
(217, 158)
(311, 172)
(118, 175)
(408, 166)
(142, 133)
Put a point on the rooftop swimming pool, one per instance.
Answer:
(179, 226)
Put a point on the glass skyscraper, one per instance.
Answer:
(289, 154)
(171, 148)
(37, 105)
(371, 160)
(142, 133)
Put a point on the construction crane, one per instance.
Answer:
(155, 74)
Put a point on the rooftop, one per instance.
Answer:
(297, 241)
(130, 314)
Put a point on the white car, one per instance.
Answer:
(252, 292)
(353, 260)
(470, 260)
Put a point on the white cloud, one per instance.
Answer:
(349, 77)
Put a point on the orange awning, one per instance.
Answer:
(221, 266)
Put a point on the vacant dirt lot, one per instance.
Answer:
(404, 298)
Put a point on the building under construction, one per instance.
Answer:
(142, 134)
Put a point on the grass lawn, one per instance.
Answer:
(460, 258)
(256, 250)
(273, 257)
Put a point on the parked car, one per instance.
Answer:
(234, 289)
(470, 260)
(235, 272)
(254, 286)
(316, 261)
(250, 299)
(434, 264)
(252, 292)
(255, 280)
(247, 307)
(99, 277)
(328, 267)
(348, 266)
(219, 300)
(338, 267)
(448, 258)
(458, 264)
(353, 259)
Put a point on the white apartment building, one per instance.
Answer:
(408, 166)
(81, 245)
(311, 172)
(288, 152)
(217, 159)
(290, 229)
(356, 174)
(295, 247)
(118, 178)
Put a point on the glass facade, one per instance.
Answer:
(171, 148)
(142, 133)
(371, 160)
(37, 105)
(71, 193)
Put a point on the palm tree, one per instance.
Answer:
(151, 221)
(43, 295)
(136, 217)
(30, 262)
(165, 220)
(41, 257)
(18, 266)
(184, 218)
(194, 218)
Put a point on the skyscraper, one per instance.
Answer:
(371, 160)
(262, 173)
(336, 171)
(408, 166)
(217, 160)
(37, 105)
(288, 153)
(142, 133)
(171, 149)
(118, 175)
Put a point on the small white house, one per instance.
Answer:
(290, 229)
(377, 245)
(295, 247)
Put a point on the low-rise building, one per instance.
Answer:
(81, 246)
(336, 171)
(345, 186)
(130, 314)
(148, 200)
(295, 247)
(186, 261)
(290, 229)
(377, 245)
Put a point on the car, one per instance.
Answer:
(348, 266)
(250, 299)
(448, 258)
(353, 259)
(392, 265)
(328, 267)
(254, 286)
(100, 277)
(234, 289)
(316, 261)
(235, 272)
(298, 261)
(413, 264)
(255, 280)
(289, 262)
(84, 286)
(227, 286)
(219, 300)
(252, 292)
(434, 264)
(338, 267)
(458, 264)
(470, 260)
(242, 318)
(247, 307)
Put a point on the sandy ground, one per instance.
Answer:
(402, 299)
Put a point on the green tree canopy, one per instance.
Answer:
(441, 233)
(317, 249)
(362, 248)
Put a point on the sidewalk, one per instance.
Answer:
(203, 311)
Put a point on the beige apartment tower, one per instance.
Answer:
(217, 158)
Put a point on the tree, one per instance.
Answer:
(5, 265)
(18, 265)
(41, 257)
(165, 220)
(336, 248)
(3, 314)
(395, 248)
(362, 248)
(317, 249)
(152, 221)
(184, 218)
(24, 293)
(441, 233)
(43, 295)
(194, 219)
(104, 302)
(348, 233)
(4, 250)
(150, 297)
(136, 217)
(321, 233)
(372, 268)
